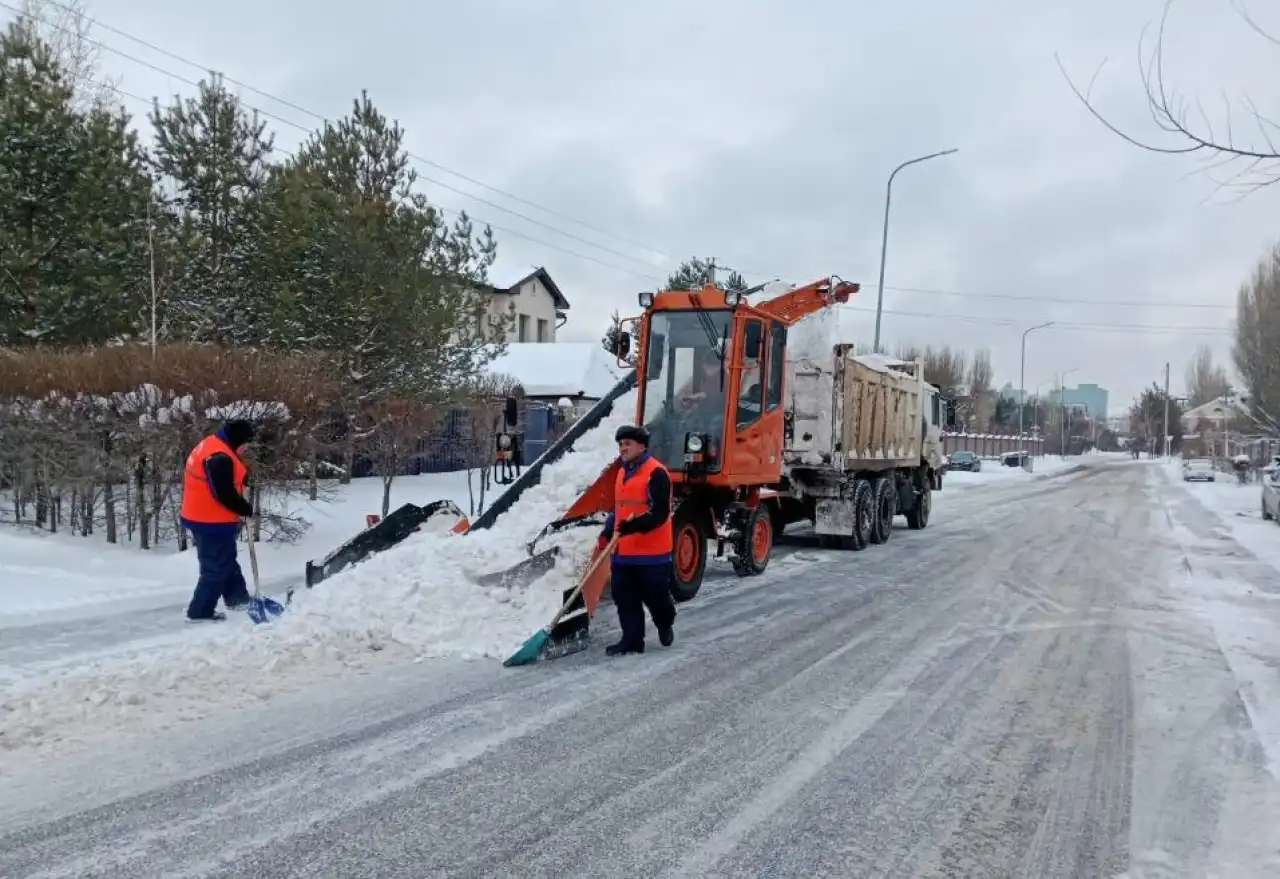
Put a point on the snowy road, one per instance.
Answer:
(1046, 682)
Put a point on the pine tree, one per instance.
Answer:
(695, 273)
(371, 272)
(214, 155)
(73, 199)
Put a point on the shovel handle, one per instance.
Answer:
(586, 575)
(253, 557)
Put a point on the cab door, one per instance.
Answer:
(754, 450)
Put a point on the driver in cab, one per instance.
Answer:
(706, 380)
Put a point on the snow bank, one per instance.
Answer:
(420, 600)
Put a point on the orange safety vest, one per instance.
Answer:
(198, 503)
(631, 497)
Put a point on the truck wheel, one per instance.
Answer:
(918, 516)
(863, 514)
(755, 545)
(884, 507)
(690, 552)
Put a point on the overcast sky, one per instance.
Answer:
(763, 133)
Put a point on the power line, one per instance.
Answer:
(306, 112)
(589, 243)
(283, 120)
(1084, 327)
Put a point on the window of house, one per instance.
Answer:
(542, 331)
(522, 331)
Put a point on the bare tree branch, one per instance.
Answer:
(1170, 113)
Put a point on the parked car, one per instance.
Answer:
(1197, 470)
(1271, 496)
(965, 461)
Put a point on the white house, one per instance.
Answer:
(536, 305)
(1217, 414)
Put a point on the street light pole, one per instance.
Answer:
(1022, 379)
(884, 238)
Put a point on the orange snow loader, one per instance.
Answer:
(710, 369)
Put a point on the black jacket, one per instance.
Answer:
(220, 471)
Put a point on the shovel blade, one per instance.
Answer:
(262, 609)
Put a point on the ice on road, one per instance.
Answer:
(1048, 681)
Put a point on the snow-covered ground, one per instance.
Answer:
(993, 473)
(45, 577)
(418, 601)
(1229, 577)
(57, 592)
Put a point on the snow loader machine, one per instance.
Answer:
(713, 378)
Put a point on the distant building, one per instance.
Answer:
(1086, 398)
(534, 303)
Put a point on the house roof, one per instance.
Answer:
(504, 282)
(1221, 407)
(560, 369)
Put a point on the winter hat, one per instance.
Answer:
(237, 432)
(632, 432)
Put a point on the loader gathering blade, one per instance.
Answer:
(523, 574)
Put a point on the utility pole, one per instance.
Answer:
(711, 270)
(1167, 444)
(151, 250)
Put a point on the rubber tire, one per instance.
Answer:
(884, 508)
(918, 516)
(745, 564)
(863, 508)
(687, 518)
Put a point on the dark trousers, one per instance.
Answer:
(220, 574)
(636, 587)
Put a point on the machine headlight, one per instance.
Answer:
(646, 298)
(504, 441)
(693, 444)
(732, 298)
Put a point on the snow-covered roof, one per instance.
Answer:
(560, 369)
(1222, 407)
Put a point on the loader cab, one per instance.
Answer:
(711, 389)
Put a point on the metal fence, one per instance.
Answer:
(991, 445)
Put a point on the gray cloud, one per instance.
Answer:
(763, 133)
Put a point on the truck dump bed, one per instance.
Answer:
(860, 412)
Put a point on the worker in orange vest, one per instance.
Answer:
(642, 565)
(213, 505)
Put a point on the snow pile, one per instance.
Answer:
(418, 600)
(814, 336)
(811, 379)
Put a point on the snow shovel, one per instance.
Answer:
(539, 645)
(261, 608)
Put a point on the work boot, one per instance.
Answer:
(666, 635)
(622, 648)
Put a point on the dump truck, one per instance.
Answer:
(863, 445)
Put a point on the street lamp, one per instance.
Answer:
(884, 239)
(1022, 379)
